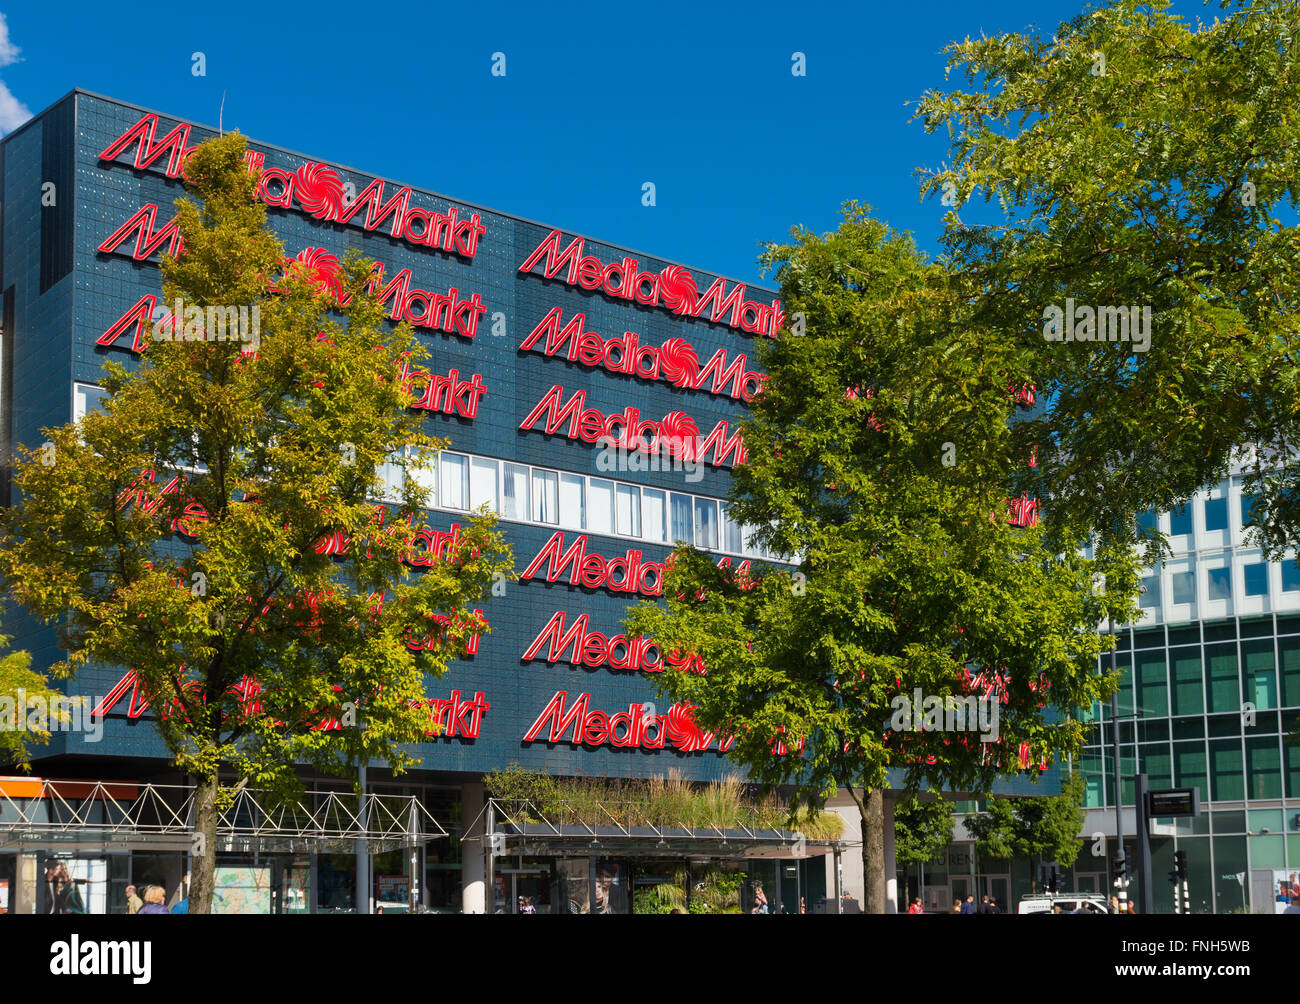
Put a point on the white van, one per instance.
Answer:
(1068, 902)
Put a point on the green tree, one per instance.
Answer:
(879, 455)
(1134, 159)
(1045, 829)
(18, 684)
(229, 574)
(922, 830)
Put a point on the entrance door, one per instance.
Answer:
(999, 888)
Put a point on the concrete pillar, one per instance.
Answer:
(473, 883)
(891, 862)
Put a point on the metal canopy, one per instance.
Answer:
(518, 826)
(109, 815)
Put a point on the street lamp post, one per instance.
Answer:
(1119, 804)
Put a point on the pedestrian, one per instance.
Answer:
(969, 905)
(803, 907)
(1056, 907)
(1114, 904)
(984, 909)
(760, 900)
(527, 905)
(154, 898)
(956, 908)
(133, 902)
(1295, 905)
(915, 906)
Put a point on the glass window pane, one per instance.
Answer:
(1248, 503)
(1189, 768)
(1258, 681)
(514, 491)
(1219, 583)
(1180, 521)
(732, 539)
(88, 398)
(1255, 579)
(1264, 767)
(627, 510)
(1222, 686)
(423, 470)
(1150, 600)
(1216, 514)
(483, 483)
(655, 514)
(706, 523)
(453, 485)
(1290, 576)
(1149, 521)
(1227, 771)
(1186, 672)
(572, 501)
(1288, 650)
(600, 506)
(682, 519)
(1184, 587)
(546, 498)
(1153, 692)
(392, 477)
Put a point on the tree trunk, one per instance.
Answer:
(203, 857)
(872, 809)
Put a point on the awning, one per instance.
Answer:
(40, 814)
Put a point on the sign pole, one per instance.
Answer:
(1144, 843)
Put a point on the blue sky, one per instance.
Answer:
(597, 99)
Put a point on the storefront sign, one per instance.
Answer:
(627, 574)
(676, 433)
(675, 361)
(577, 724)
(317, 189)
(673, 289)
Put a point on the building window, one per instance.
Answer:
(1216, 514)
(1180, 521)
(1258, 679)
(682, 519)
(572, 501)
(483, 483)
(1218, 583)
(1189, 768)
(546, 499)
(732, 537)
(1188, 696)
(453, 485)
(1264, 767)
(655, 515)
(1150, 600)
(1222, 682)
(391, 475)
(1152, 687)
(1227, 771)
(1254, 579)
(600, 506)
(87, 397)
(1290, 576)
(706, 523)
(627, 510)
(514, 493)
(1183, 585)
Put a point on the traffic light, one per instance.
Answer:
(1121, 871)
(1180, 864)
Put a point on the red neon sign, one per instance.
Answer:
(448, 313)
(578, 725)
(594, 649)
(449, 718)
(318, 190)
(673, 289)
(674, 362)
(634, 575)
(676, 434)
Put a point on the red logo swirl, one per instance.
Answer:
(678, 289)
(678, 434)
(678, 362)
(319, 190)
(682, 730)
(321, 268)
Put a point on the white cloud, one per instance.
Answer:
(8, 51)
(13, 112)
